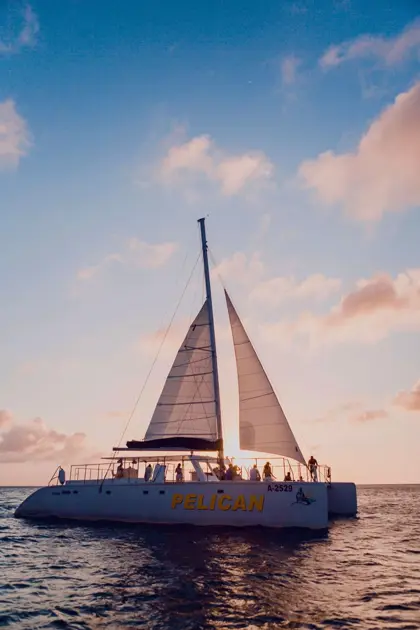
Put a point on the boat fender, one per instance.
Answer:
(62, 476)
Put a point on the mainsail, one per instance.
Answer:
(262, 424)
(187, 405)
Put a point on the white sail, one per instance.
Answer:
(262, 424)
(187, 407)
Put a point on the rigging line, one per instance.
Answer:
(158, 352)
(215, 268)
(152, 366)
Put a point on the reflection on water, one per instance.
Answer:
(365, 573)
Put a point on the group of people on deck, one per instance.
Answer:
(231, 473)
(132, 471)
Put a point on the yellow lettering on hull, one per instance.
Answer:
(176, 500)
(224, 502)
(200, 503)
(189, 501)
(256, 502)
(239, 503)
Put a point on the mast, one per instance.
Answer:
(212, 339)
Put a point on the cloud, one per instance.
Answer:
(389, 50)
(352, 412)
(371, 414)
(289, 66)
(5, 418)
(240, 268)
(382, 175)
(149, 256)
(137, 254)
(25, 38)
(337, 412)
(409, 400)
(282, 288)
(250, 271)
(376, 308)
(201, 158)
(35, 441)
(89, 272)
(14, 136)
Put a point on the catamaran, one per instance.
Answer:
(140, 483)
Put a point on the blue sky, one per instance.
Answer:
(120, 125)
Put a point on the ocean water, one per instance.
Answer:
(365, 573)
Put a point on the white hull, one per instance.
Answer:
(229, 503)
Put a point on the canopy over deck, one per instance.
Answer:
(179, 443)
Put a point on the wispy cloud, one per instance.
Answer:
(25, 37)
(282, 288)
(371, 414)
(409, 400)
(382, 175)
(136, 254)
(185, 164)
(240, 268)
(352, 412)
(376, 308)
(389, 50)
(289, 69)
(251, 271)
(5, 418)
(15, 139)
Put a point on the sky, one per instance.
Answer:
(294, 127)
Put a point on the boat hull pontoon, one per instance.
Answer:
(227, 503)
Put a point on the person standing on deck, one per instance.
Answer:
(148, 472)
(178, 472)
(254, 474)
(313, 468)
(267, 472)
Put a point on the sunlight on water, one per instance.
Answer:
(364, 574)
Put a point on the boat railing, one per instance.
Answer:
(133, 471)
(54, 481)
(281, 468)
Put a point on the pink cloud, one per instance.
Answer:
(371, 414)
(137, 254)
(337, 412)
(409, 400)
(201, 157)
(251, 271)
(352, 412)
(375, 308)
(390, 50)
(382, 175)
(283, 288)
(15, 138)
(35, 441)
(240, 268)
(5, 418)
(289, 67)
(377, 294)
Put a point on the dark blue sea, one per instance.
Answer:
(365, 573)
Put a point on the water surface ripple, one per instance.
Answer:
(364, 574)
